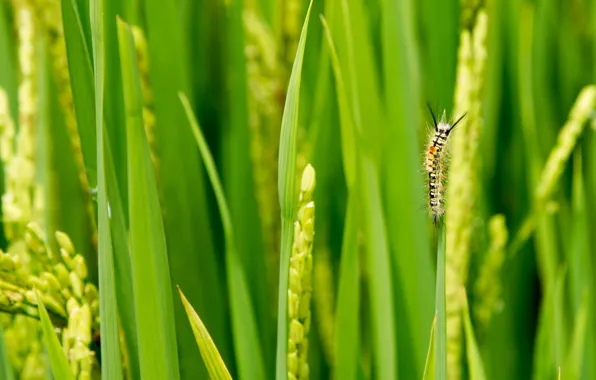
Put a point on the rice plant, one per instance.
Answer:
(255, 189)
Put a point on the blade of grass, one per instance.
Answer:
(8, 73)
(122, 260)
(110, 343)
(347, 325)
(60, 366)
(475, 366)
(6, 371)
(576, 353)
(363, 91)
(183, 188)
(347, 343)
(237, 172)
(287, 195)
(348, 139)
(154, 306)
(440, 305)
(81, 74)
(429, 366)
(244, 325)
(406, 221)
(213, 361)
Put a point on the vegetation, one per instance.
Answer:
(164, 163)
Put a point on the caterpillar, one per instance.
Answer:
(434, 164)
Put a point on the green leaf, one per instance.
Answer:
(347, 320)
(182, 185)
(429, 366)
(403, 187)
(378, 261)
(8, 71)
(108, 311)
(154, 306)
(122, 260)
(6, 371)
(576, 352)
(213, 361)
(81, 79)
(60, 366)
(237, 174)
(287, 195)
(347, 343)
(245, 333)
(440, 306)
(111, 364)
(475, 366)
(363, 91)
(348, 138)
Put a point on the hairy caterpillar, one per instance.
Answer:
(435, 165)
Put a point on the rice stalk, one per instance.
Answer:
(300, 280)
(463, 194)
(48, 14)
(488, 285)
(265, 110)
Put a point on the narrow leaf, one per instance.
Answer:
(245, 334)
(429, 366)
(475, 366)
(213, 361)
(158, 357)
(441, 334)
(287, 195)
(60, 366)
(347, 325)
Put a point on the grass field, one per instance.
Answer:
(240, 189)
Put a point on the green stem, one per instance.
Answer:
(441, 336)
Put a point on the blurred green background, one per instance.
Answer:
(526, 260)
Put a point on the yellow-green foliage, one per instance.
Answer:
(97, 119)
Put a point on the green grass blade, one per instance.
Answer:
(80, 67)
(245, 333)
(288, 196)
(154, 306)
(378, 261)
(213, 361)
(440, 305)
(122, 261)
(576, 353)
(347, 318)
(8, 73)
(348, 138)
(182, 186)
(403, 185)
(6, 371)
(60, 366)
(110, 342)
(429, 366)
(475, 366)
(237, 172)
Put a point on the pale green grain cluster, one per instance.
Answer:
(48, 15)
(140, 42)
(71, 301)
(580, 113)
(487, 289)
(300, 280)
(21, 192)
(264, 113)
(462, 188)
